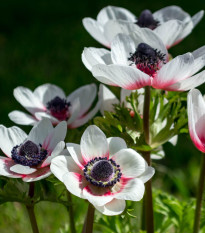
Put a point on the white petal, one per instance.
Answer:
(55, 136)
(28, 100)
(177, 69)
(57, 150)
(116, 144)
(132, 190)
(22, 118)
(131, 163)
(124, 76)
(47, 92)
(145, 35)
(74, 111)
(199, 59)
(123, 94)
(86, 95)
(174, 140)
(107, 99)
(40, 174)
(75, 152)
(169, 31)
(187, 28)
(20, 169)
(94, 56)
(62, 165)
(93, 143)
(113, 13)
(121, 47)
(115, 207)
(40, 131)
(196, 118)
(147, 175)
(188, 83)
(10, 137)
(96, 30)
(197, 17)
(5, 164)
(43, 115)
(114, 27)
(73, 182)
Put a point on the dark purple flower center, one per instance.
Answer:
(102, 172)
(59, 108)
(146, 20)
(28, 154)
(147, 59)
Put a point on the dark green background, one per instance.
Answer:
(42, 41)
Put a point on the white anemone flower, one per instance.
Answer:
(171, 24)
(103, 171)
(196, 118)
(29, 156)
(140, 60)
(50, 101)
(108, 99)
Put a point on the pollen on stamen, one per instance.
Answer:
(147, 59)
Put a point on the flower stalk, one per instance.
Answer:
(71, 213)
(149, 216)
(89, 219)
(30, 209)
(199, 196)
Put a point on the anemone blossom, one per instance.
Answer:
(196, 118)
(103, 171)
(50, 101)
(171, 24)
(140, 60)
(29, 156)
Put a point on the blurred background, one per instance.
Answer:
(42, 41)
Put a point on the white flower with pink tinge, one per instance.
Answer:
(29, 156)
(196, 118)
(49, 101)
(171, 24)
(140, 60)
(103, 171)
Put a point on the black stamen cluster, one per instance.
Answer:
(58, 104)
(146, 58)
(146, 20)
(94, 178)
(28, 154)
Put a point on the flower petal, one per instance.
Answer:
(113, 13)
(40, 174)
(114, 207)
(131, 163)
(196, 118)
(147, 175)
(74, 111)
(133, 190)
(62, 165)
(5, 164)
(75, 152)
(28, 100)
(93, 143)
(44, 115)
(199, 59)
(55, 136)
(176, 70)
(169, 32)
(22, 118)
(47, 92)
(10, 137)
(197, 17)
(117, 75)
(121, 47)
(174, 140)
(95, 29)
(40, 131)
(93, 56)
(116, 144)
(188, 83)
(86, 95)
(20, 169)
(107, 99)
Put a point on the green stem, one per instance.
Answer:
(199, 196)
(149, 216)
(88, 224)
(71, 213)
(30, 209)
